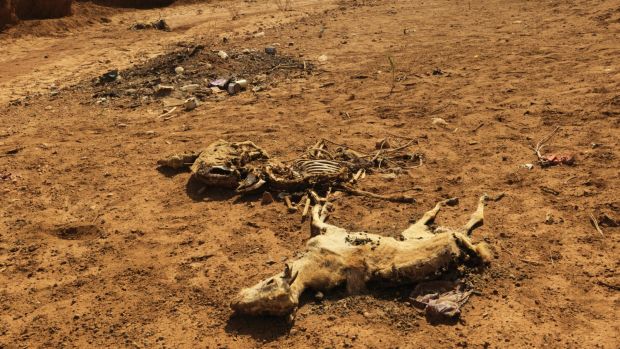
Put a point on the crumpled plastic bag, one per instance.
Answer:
(441, 300)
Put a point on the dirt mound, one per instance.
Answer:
(41, 9)
(7, 14)
(135, 3)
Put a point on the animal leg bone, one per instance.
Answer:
(420, 229)
(477, 217)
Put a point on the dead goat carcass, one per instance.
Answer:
(245, 167)
(337, 256)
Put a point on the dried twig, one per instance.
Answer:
(541, 144)
(344, 146)
(530, 262)
(393, 198)
(393, 71)
(595, 223)
(168, 115)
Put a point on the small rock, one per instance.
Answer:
(383, 143)
(389, 176)
(270, 50)
(162, 90)
(528, 166)
(322, 58)
(190, 104)
(233, 88)
(439, 121)
(319, 296)
(259, 34)
(222, 54)
(549, 219)
(179, 70)
(267, 198)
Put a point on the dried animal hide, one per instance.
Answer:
(338, 256)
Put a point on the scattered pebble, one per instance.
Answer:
(267, 198)
(190, 104)
(439, 121)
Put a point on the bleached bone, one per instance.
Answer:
(338, 256)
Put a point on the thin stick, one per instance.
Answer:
(595, 222)
(399, 136)
(392, 198)
(540, 145)
(530, 261)
(168, 115)
(387, 151)
(344, 146)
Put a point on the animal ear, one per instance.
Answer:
(292, 279)
(288, 276)
(287, 272)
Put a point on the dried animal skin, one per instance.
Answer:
(338, 256)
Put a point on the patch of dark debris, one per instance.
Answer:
(194, 72)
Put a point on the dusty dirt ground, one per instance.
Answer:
(99, 249)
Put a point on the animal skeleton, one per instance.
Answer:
(337, 256)
(245, 167)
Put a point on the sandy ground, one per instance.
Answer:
(154, 264)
